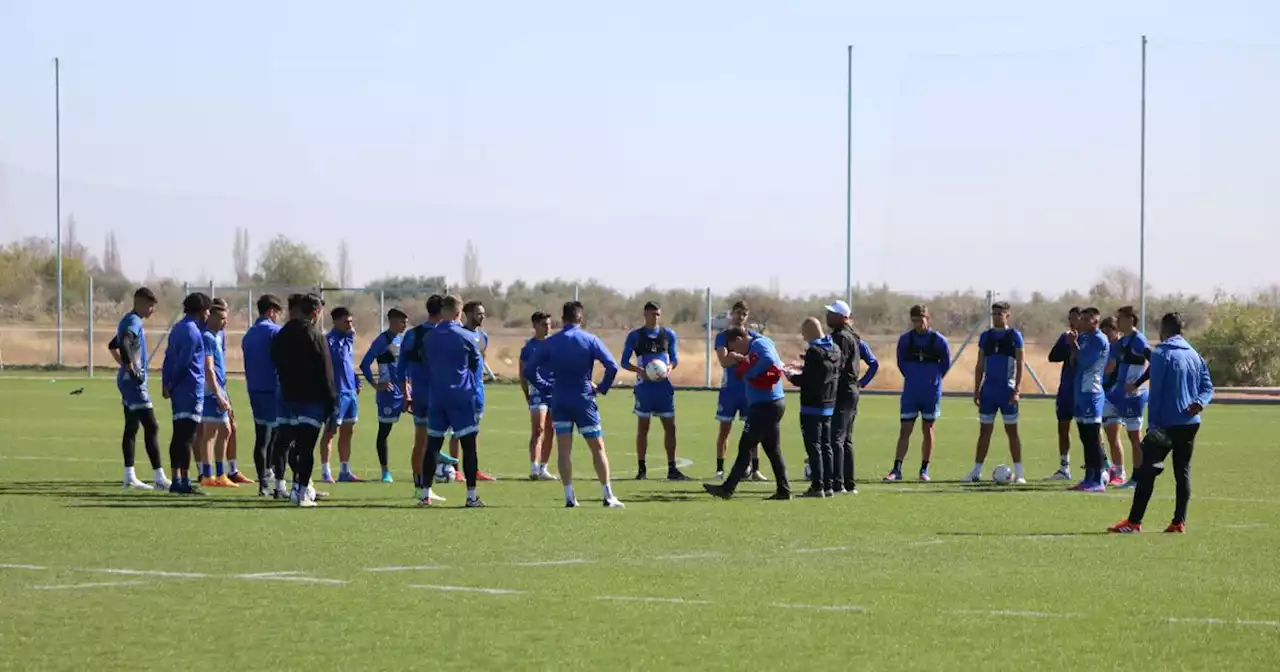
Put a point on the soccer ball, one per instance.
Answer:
(1002, 474)
(445, 473)
(656, 370)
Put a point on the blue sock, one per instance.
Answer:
(220, 468)
(417, 480)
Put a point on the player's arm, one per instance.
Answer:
(113, 347)
(401, 375)
(979, 369)
(1019, 356)
(945, 363)
(376, 348)
(796, 376)
(873, 364)
(902, 355)
(602, 355)
(629, 349)
(1132, 388)
(529, 369)
(173, 373)
(211, 379)
(1061, 351)
(127, 346)
(1205, 392)
(672, 350)
(321, 344)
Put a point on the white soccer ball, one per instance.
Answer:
(445, 473)
(656, 370)
(1002, 474)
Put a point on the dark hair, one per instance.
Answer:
(195, 303)
(1127, 311)
(268, 303)
(734, 334)
(1002, 306)
(1172, 323)
(1108, 324)
(1075, 310)
(1091, 311)
(539, 316)
(309, 303)
(339, 313)
(219, 304)
(397, 314)
(651, 305)
(470, 306)
(919, 310)
(572, 312)
(295, 300)
(740, 305)
(144, 293)
(435, 303)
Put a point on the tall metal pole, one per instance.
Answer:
(707, 383)
(90, 326)
(1142, 198)
(57, 179)
(848, 182)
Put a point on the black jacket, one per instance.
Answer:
(299, 352)
(847, 340)
(817, 380)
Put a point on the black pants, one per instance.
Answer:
(1094, 457)
(1181, 443)
(145, 418)
(263, 435)
(842, 441)
(816, 430)
(278, 450)
(302, 455)
(184, 437)
(762, 429)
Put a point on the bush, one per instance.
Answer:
(1241, 344)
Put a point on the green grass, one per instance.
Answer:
(943, 576)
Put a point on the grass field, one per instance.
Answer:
(910, 576)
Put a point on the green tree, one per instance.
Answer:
(287, 263)
(1242, 344)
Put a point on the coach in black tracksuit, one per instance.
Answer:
(817, 379)
(852, 352)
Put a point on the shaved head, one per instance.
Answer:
(811, 328)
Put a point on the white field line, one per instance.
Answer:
(690, 556)
(1226, 621)
(470, 589)
(820, 607)
(144, 572)
(553, 563)
(407, 568)
(31, 567)
(1011, 612)
(1245, 526)
(829, 549)
(927, 542)
(663, 600)
(102, 584)
(266, 575)
(293, 579)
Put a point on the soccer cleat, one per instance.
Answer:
(349, 477)
(312, 493)
(1093, 487)
(386, 477)
(425, 503)
(1125, 527)
(716, 491)
(177, 488)
(1020, 481)
(841, 490)
(1117, 479)
(264, 489)
(533, 475)
(719, 475)
(1127, 485)
(975, 476)
(570, 503)
(779, 496)
(223, 482)
(544, 475)
(614, 503)
(676, 475)
(280, 493)
(239, 478)
(476, 503)
(135, 484)
(830, 493)
(459, 478)
(759, 477)
(811, 493)
(327, 478)
(641, 475)
(893, 476)
(162, 484)
(851, 491)
(446, 458)
(481, 476)
(924, 476)
(1062, 474)
(1176, 528)
(207, 482)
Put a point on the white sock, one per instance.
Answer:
(568, 493)
(231, 465)
(346, 467)
(608, 491)
(1065, 461)
(534, 467)
(160, 475)
(281, 485)
(977, 468)
(328, 473)
(1017, 469)
(426, 493)
(130, 475)
(471, 494)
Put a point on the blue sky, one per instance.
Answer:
(677, 144)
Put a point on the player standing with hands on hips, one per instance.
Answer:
(924, 357)
(1180, 389)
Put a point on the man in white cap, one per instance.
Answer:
(853, 350)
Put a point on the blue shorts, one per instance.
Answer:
(584, 415)
(927, 408)
(539, 401)
(1089, 409)
(991, 402)
(390, 407)
(265, 407)
(1065, 407)
(212, 415)
(732, 403)
(295, 414)
(655, 399)
(187, 406)
(1126, 411)
(461, 417)
(345, 412)
(133, 396)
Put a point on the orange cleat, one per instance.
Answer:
(239, 478)
(220, 482)
(1176, 528)
(481, 476)
(1125, 527)
(459, 478)
(208, 482)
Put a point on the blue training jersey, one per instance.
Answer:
(131, 340)
(213, 348)
(998, 348)
(1131, 353)
(571, 355)
(544, 380)
(731, 379)
(183, 369)
(924, 360)
(385, 350)
(413, 361)
(452, 358)
(259, 370)
(481, 339)
(342, 350)
(650, 344)
(1091, 362)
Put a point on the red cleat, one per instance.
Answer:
(481, 476)
(1116, 482)
(1125, 527)
(1176, 528)
(239, 478)
(458, 477)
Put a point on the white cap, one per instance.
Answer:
(840, 308)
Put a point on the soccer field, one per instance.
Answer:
(906, 576)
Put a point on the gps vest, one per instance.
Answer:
(929, 355)
(1128, 356)
(387, 356)
(1001, 346)
(652, 345)
(415, 354)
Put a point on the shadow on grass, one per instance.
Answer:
(1023, 535)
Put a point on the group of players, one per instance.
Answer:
(304, 385)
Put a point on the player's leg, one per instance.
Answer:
(564, 454)
(986, 426)
(664, 407)
(811, 434)
(537, 426)
(548, 443)
(151, 440)
(588, 422)
(128, 442)
(643, 416)
(349, 415)
(834, 478)
(842, 448)
(726, 410)
(281, 445)
(771, 444)
(1184, 442)
(221, 444)
(747, 441)
(384, 434)
(185, 427)
(929, 415)
(465, 420)
(1009, 413)
(1066, 415)
(233, 454)
(306, 433)
(1091, 439)
(908, 411)
(1156, 450)
(437, 427)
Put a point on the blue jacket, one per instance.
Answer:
(259, 370)
(411, 362)
(342, 350)
(762, 372)
(183, 371)
(1061, 352)
(452, 359)
(545, 378)
(571, 355)
(1179, 377)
